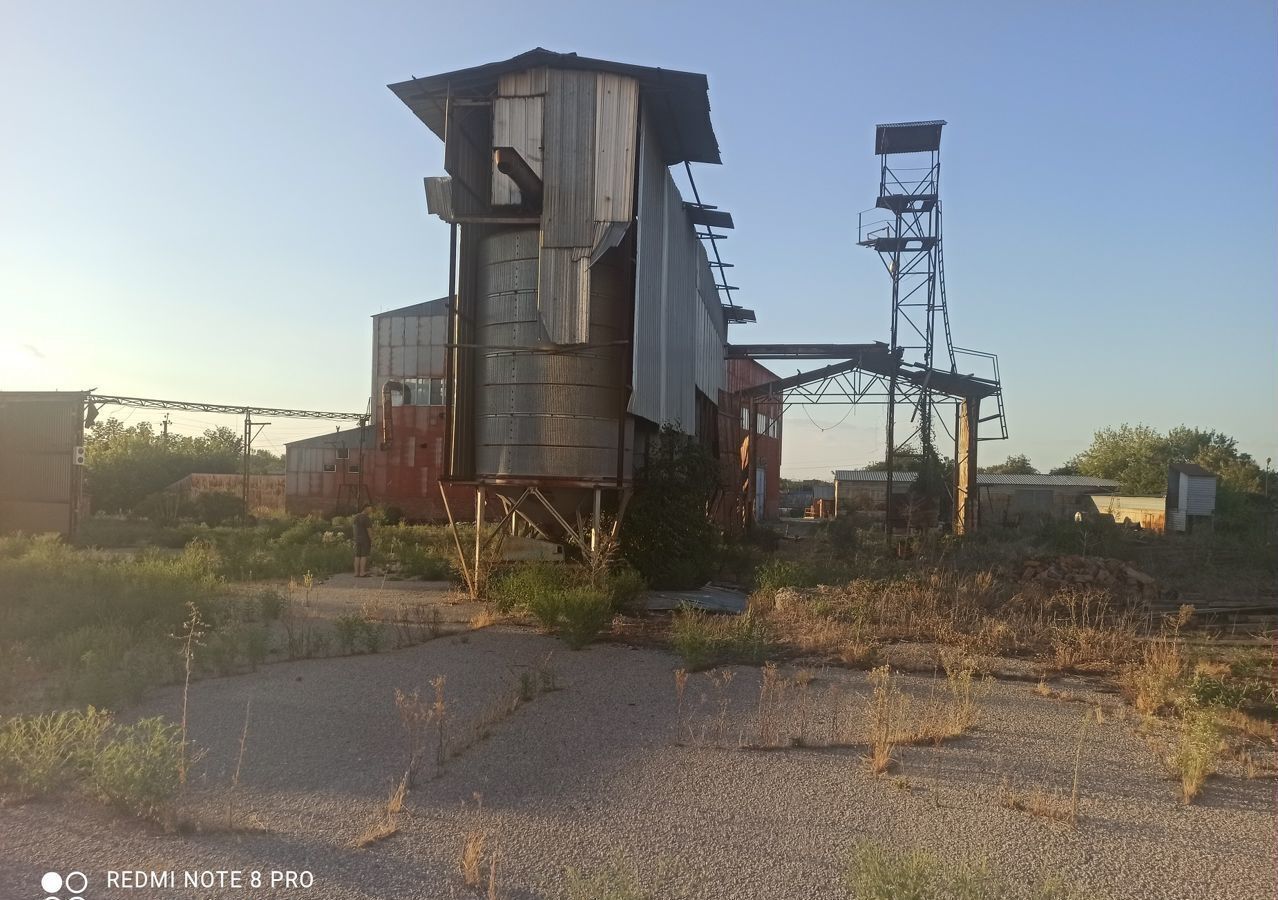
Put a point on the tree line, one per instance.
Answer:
(128, 463)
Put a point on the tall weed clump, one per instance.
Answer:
(136, 767)
(705, 640)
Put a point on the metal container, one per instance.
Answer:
(544, 410)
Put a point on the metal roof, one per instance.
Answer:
(908, 137)
(437, 307)
(348, 437)
(679, 102)
(1192, 469)
(872, 476)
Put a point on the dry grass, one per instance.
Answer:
(386, 822)
(1051, 805)
(472, 858)
(483, 619)
(884, 706)
(1152, 681)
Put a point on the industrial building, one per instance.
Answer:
(586, 309)
(41, 461)
(1007, 500)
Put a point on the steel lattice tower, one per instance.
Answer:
(908, 242)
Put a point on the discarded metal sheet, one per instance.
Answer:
(707, 599)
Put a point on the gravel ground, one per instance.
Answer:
(608, 771)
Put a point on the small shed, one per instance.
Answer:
(1191, 496)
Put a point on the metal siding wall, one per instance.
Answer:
(616, 119)
(647, 398)
(517, 122)
(569, 163)
(683, 308)
(678, 346)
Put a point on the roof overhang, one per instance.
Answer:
(679, 102)
(908, 137)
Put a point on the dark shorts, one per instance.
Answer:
(363, 546)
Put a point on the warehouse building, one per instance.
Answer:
(1008, 500)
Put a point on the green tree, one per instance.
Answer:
(1013, 465)
(1137, 456)
(126, 464)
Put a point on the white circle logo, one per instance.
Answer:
(71, 876)
(51, 883)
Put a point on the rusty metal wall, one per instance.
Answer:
(679, 330)
(543, 414)
(39, 480)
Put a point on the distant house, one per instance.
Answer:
(1002, 499)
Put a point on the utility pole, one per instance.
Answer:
(249, 434)
(165, 425)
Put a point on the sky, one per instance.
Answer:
(208, 201)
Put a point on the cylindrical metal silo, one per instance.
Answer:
(543, 411)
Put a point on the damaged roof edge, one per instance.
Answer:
(683, 116)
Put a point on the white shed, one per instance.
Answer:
(1191, 494)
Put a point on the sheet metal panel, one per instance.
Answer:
(569, 159)
(522, 84)
(1197, 495)
(563, 295)
(468, 158)
(616, 126)
(647, 398)
(678, 329)
(517, 122)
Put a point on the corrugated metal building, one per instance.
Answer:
(41, 461)
(587, 315)
(1004, 499)
(398, 460)
(324, 475)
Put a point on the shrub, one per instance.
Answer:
(667, 533)
(531, 587)
(1207, 690)
(705, 640)
(138, 769)
(1195, 759)
(583, 614)
(348, 629)
(42, 754)
(624, 587)
(878, 873)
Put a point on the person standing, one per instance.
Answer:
(363, 525)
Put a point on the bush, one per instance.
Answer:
(561, 599)
(705, 640)
(138, 770)
(43, 754)
(583, 614)
(527, 586)
(667, 534)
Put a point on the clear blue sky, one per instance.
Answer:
(207, 201)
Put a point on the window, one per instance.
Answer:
(353, 468)
(422, 392)
(343, 452)
(330, 467)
